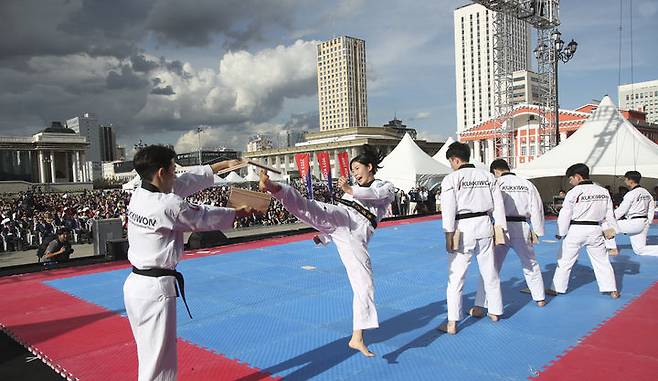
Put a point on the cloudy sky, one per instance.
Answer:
(158, 69)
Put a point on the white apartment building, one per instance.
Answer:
(474, 62)
(342, 94)
(641, 96)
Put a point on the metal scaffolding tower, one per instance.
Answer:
(543, 15)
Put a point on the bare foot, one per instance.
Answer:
(493, 317)
(615, 295)
(449, 327)
(361, 347)
(613, 252)
(265, 185)
(476, 312)
(541, 303)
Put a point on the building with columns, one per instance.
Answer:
(349, 140)
(55, 155)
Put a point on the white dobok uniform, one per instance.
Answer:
(156, 222)
(469, 200)
(634, 215)
(522, 205)
(586, 207)
(351, 231)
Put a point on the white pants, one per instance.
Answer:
(592, 238)
(351, 233)
(531, 269)
(637, 230)
(153, 323)
(458, 263)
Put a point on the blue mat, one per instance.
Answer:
(261, 307)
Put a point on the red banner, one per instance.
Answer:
(303, 165)
(325, 169)
(302, 160)
(325, 164)
(344, 164)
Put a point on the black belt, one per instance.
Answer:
(636, 217)
(158, 272)
(516, 218)
(362, 210)
(585, 222)
(464, 216)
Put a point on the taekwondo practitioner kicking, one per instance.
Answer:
(350, 224)
(586, 207)
(523, 206)
(469, 201)
(157, 217)
(634, 215)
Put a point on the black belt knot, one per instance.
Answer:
(464, 216)
(158, 272)
(516, 218)
(361, 209)
(585, 222)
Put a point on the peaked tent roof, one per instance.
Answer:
(252, 176)
(218, 180)
(607, 143)
(408, 166)
(441, 156)
(234, 178)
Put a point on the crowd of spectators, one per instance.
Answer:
(30, 218)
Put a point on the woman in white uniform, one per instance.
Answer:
(350, 224)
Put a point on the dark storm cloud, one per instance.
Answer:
(141, 64)
(125, 80)
(194, 23)
(167, 90)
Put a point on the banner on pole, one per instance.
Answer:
(325, 169)
(303, 165)
(344, 164)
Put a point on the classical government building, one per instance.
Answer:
(343, 110)
(54, 155)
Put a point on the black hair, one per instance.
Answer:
(149, 160)
(369, 155)
(578, 169)
(459, 150)
(499, 164)
(633, 175)
(561, 191)
(61, 231)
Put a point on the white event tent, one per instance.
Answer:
(234, 178)
(408, 166)
(607, 143)
(441, 156)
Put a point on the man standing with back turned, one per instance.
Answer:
(523, 209)
(157, 217)
(586, 207)
(469, 200)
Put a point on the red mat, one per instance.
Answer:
(623, 348)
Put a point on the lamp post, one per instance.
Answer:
(558, 52)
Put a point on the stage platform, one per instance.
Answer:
(281, 308)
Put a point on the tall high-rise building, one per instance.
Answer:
(641, 96)
(474, 62)
(342, 94)
(108, 143)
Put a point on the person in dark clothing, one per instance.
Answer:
(59, 249)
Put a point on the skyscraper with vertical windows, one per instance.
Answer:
(342, 94)
(474, 62)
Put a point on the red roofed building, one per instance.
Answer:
(527, 136)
